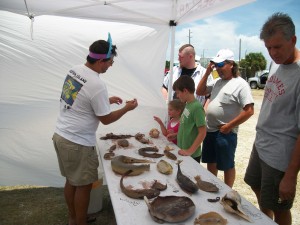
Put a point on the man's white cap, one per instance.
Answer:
(223, 54)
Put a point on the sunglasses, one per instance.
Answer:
(220, 64)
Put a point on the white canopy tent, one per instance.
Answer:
(36, 54)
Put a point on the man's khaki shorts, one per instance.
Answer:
(78, 163)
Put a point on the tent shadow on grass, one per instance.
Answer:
(32, 205)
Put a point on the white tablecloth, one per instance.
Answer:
(130, 211)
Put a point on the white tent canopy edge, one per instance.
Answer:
(32, 72)
(128, 11)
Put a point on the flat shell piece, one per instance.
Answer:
(159, 186)
(123, 143)
(205, 186)
(112, 148)
(172, 209)
(211, 218)
(140, 137)
(108, 155)
(168, 148)
(170, 155)
(164, 167)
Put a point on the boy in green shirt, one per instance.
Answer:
(192, 129)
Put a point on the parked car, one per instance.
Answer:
(259, 80)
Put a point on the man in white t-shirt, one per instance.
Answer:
(187, 66)
(84, 103)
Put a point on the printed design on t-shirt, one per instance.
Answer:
(185, 114)
(274, 88)
(70, 90)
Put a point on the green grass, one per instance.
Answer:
(32, 205)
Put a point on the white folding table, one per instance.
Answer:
(130, 211)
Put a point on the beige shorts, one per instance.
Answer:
(78, 163)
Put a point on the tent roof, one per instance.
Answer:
(129, 11)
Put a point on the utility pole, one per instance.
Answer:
(240, 46)
(189, 36)
(203, 51)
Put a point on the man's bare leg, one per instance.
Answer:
(283, 217)
(69, 192)
(81, 200)
(268, 212)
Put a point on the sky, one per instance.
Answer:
(235, 26)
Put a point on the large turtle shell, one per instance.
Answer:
(171, 208)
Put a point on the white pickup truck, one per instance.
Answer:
(259, 80)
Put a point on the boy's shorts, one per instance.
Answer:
(261, 176)
(219, 148)
(78, 163)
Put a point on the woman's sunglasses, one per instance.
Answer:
(220, 64)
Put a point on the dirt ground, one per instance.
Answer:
(29, 205)
(246, 137)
